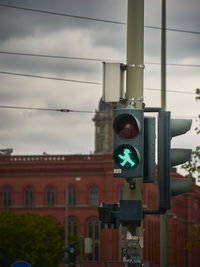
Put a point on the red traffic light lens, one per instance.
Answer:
(126, 126)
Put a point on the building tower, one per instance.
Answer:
(103, 120)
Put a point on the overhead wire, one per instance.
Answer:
(52, 56)
(63, 110)
(81, 81)
(49, 78)
(45, 109)
(89, 59)
(91, 19)
(62, 14)
(81, 58)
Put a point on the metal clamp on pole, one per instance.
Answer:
(140, 66)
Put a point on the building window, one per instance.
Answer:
(28, 196)
(93, 196)
(7, 197)
(93, 233)
(50, 196)
(72, 196)
(73, 225)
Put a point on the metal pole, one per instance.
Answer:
(134, 86)
(81, 251)
(66, 216)
(164, 249)
(135, 51)
(163, 56)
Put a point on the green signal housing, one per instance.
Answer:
(128, 142)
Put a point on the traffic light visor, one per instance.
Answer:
(126, 126)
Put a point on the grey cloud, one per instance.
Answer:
(183, 14)
(48, 132)
(182, 46)
(23, 23)
(56, 68)
(31, 132)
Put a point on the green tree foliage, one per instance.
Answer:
(193, 171)
(30, 237)
(194, 238)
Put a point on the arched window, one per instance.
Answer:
(73, 225)
(50, 196)
(28, 196)
(7, 197)
(93, 233)
(72, 196)
(93, 196)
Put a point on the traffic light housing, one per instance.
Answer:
(128, 142)
(167, 158)
(149, 150)
(127, 213)
(109, 215)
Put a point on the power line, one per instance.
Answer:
(65, 110)
(62, 14)
(172, 30)
(92, 19)
(45, 109)
(89, 59)
(52, 56)
(49, 78)
(172, 91)
(79, 81)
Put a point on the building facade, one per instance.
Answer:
(38, 184)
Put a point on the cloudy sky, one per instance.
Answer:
(23, 31)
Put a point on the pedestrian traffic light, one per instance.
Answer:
(167, 157)
(128, 142)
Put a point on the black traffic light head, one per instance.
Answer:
(127, 213)
(128, 142)
(130, 212)
(109, 215)
(168, 157)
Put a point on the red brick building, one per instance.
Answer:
(38, 184)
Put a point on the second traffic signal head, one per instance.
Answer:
(167, 158)
(128, 142)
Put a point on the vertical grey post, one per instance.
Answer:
(81, 251)
(164, 250)
(134, 80)
(163, 56)
(135, 51)
(66, 216)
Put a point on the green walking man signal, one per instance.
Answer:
(126, 158)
